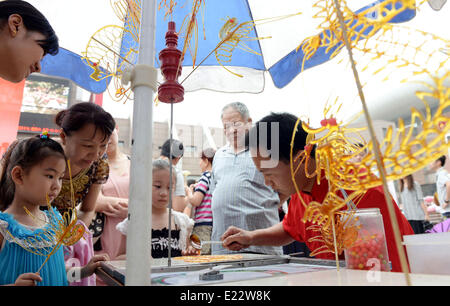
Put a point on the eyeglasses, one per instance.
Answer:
(235, 125)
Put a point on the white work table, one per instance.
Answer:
(345, 277)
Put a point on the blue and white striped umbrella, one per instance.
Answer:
(76, 21)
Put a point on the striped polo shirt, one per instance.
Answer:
(240, 198)
(203, 213)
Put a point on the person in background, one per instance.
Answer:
(190, 182)
(239, 195)
(442, 185)
(189, 210)
(179, 197)
(85, 132)
(182, 224)
(414, 208)
(113, 199)
(26, 37)
(200, 199)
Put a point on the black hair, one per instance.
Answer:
(33, 20)
(410, 179)
(208, 154)
(161, 164)
(190, 182)
(25, 153)
(260, 136)
(76, 117)
(442, 159)
(177, 149)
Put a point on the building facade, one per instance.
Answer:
(45, 96)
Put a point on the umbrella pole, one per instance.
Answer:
(169, 255)
(138, 266)
(376, 148)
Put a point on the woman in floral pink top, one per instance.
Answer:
(85, 132)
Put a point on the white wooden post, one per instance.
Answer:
(138, 267)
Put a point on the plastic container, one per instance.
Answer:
(369, 251)
(428, 253)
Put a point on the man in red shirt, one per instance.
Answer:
(271, 155)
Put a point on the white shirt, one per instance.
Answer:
(179, 187)
(442, 177)
(412, 200)
(185, 224)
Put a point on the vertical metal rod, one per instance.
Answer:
(335, 244)
(376, 148)
(169, 259)
(138, 265)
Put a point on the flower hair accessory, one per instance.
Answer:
(44, 135)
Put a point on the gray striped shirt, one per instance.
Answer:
(240, 198)
(411, 200)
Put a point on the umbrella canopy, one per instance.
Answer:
(278, 55)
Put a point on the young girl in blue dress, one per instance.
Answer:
(32, 170)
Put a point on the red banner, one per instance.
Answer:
(97, 99)
(10, 104)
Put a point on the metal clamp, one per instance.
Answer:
(141, 75)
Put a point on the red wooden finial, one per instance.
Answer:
(171, 91)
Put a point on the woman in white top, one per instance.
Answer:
(414, 208)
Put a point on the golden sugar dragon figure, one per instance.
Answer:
(129, 12)
(362, 25)
(346, 231)
(168, 6)
(189, 30)
(105, 52)
(404, 151)
(234, 35)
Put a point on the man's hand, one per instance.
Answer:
(190, 251)
(236, 239)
